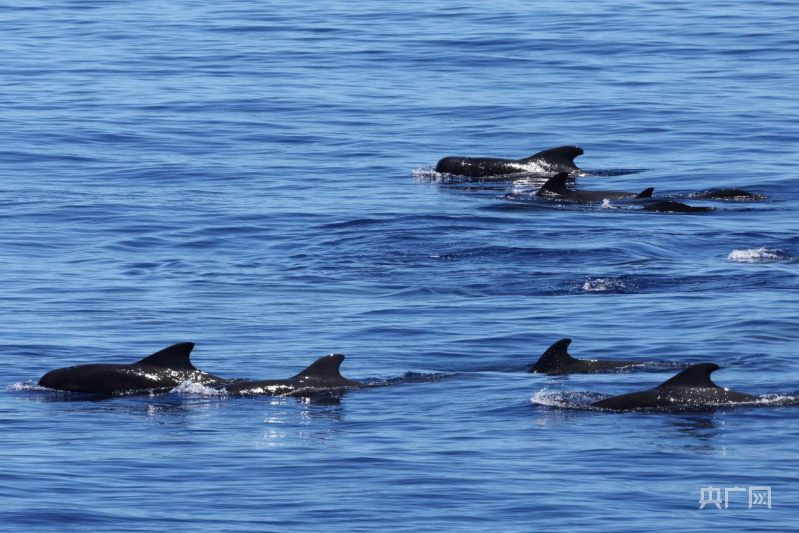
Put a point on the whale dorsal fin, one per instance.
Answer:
(555, 185)
(646, 193)
(325, 367)
(556, 356)
(695, 376)
(562, 157)
(176, 356)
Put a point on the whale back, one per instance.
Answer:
(676, 207)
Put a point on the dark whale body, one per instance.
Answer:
(323, 375)
(728, 194)
(676, 207)
(556, 361)
(559, 159)
(691, 388)
(162, 370)
(556, 188)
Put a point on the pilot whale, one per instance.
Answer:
(323, 375)
(728, 194)
(559, 159)
(555, 187)
(690, 388)
(556, 360)
(162, 370)
(677, 207)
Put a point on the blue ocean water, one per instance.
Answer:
(256, 177)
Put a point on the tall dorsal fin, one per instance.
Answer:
(557, 356)
(555, 185)
(562, 157)
(646, 193)
(324, 367)
(176, 356)
(694, 376)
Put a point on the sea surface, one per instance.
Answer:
(257, 177)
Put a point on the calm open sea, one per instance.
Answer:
(255, 177)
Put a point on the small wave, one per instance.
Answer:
(758, 255)
(565, 400)
(430, 175)
(426, 174)
(27, 385)
(608, 285)
(607, 205)
(198, 389)
(612, 172)
(544, 397)
(777, 399)
(520, 196)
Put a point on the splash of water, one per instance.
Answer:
(758, 255)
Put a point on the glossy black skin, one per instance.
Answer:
(161, 371)
(556, 188)
(319, 379)
(691, 388)
(676, 207)
(557, 361)
(728, 194)
(559, 159)
(323, 375)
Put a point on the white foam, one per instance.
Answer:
(777, 399)
(564, 400)
(535, 167)
(758, 255)
(604, 284)
(198, 389)
(427, 175)
(533, 173)
(28, 385)
(544, 397)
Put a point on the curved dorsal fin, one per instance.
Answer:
(557, 356)
(646, 193)
(694, 376)
(176, 356)
(555, 185)
(324, 367)
(562, 156)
